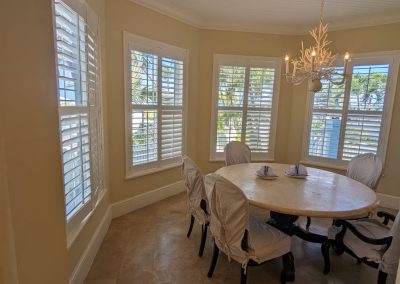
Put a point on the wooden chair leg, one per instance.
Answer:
(203, 239)
(243, 275)
(308, 223)
(213, 261)
(382, 277)
(288, 272)
(190, 226)
(325, 253)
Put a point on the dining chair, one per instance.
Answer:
(370, 242)
(241, 237)
(237, 153)
(364, 168)
(197, 198)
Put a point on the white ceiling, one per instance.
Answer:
(277, 16)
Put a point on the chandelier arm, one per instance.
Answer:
(338, 82)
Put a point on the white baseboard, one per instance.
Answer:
(389, 201)
(131, 204)
(85, 262)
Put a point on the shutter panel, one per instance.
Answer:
(259, 104)
(230, 95)
(326, 120)
(362, 135)
(325, 135)
(94, 94)
(171, 113)
(171, 134)
(144, 136)
(231, 86)
(258, 126)
(229, 128)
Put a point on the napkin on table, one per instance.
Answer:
(297, 170)
(266, 171)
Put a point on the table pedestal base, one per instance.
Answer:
(286, 223)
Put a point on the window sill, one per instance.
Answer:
(140, 173)
(74, 233)
(254, 160)
(324, 165)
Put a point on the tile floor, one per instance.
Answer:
(150, 246)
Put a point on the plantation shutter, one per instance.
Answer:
(244, 106)
(347, 120)
(155, 100)
(78, 90)
(365, 111)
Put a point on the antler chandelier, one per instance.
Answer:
(316, 62)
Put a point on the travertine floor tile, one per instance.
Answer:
(150, 246)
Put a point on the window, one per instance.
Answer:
(245, 103)
(353, 118)
(155, 99)
(78, 78)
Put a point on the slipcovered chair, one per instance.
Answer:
(364, 168)
(197, 199)
(371, 242)
(242, 238)
(237, 153)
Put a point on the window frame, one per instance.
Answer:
(77, 221)
(389, 57)
(161, 49)
(247, 62)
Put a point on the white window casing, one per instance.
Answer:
(354, 118)
(155, 105)
(245, 104)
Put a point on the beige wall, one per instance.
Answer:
(29, 114)
(123, 15)
(8, 261)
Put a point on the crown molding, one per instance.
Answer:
(338, 25)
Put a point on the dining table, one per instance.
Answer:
(320, 193)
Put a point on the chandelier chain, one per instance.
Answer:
(321, 12)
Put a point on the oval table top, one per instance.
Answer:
(320, 194)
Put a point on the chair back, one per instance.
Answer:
(365, 168)
(390, 260)
(237, 153)
(194, 183)
(229, 210)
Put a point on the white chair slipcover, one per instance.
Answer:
(229, 210)
(194, 182)
(237, 153)
(365, 168)
(388, 259)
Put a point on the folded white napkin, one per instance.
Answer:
(297, 170)
(266, 171)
